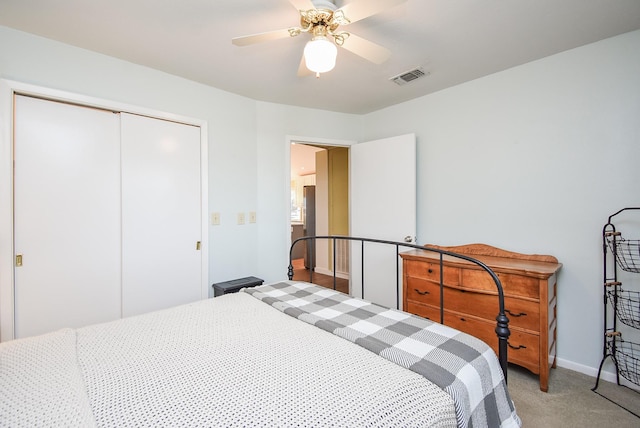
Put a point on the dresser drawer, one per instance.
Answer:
(513, 285)
(431, 271)
(521, 313)
(425, 311)
(524, 348)
(524, 314)
(422, 290)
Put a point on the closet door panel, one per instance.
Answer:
(67, 216)
(161, 214)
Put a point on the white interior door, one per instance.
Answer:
(383, 206)
(66, 216)
(161, 214)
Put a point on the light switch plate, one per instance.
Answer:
(215, 219)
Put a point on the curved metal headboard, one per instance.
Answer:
(502, 322)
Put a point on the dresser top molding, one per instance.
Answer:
(541, 266)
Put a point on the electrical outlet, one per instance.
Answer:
(215, 219)
(252, 217)
(240, 218)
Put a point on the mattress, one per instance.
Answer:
(231, 361)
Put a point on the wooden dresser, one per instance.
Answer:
(471, 303)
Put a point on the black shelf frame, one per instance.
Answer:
(619, 253)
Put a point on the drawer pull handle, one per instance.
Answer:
(516, 347)
(430, 270)
(422, 293)
(515, 315)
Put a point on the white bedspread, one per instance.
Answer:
(41, 384)
(228, 361)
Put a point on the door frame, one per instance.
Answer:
(328, 142)
(9, 88)
(349, 144)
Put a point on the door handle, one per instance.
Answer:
(408, 239)
(516, 347)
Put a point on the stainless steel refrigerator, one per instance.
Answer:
(309, 224)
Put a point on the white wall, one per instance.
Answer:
(533, 159)
(275, 123)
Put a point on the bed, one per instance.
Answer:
(288, 353)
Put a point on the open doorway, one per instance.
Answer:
(320, 206)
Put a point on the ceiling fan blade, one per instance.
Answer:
(261, 37)
(360, 9)
(366, 49)
(302, 4)
(302, 69)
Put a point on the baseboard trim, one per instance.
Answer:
(605, 375)
(328, 272)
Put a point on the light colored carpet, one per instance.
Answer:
(570, 401)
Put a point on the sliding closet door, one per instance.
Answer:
(161, 214)
(67, 216)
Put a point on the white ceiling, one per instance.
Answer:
(303, 159)
(454, 40)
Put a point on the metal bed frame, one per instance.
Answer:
(502, 322)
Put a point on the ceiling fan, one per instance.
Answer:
(322, 19)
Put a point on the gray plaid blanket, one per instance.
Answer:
(461, 365)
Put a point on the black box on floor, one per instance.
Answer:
(235, 285)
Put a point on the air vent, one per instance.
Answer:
(409, 76)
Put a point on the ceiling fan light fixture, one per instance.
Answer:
(320, 54)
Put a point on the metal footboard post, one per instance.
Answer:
(441, 288)
(334, 263)
(362, 267)
(312, 257)
(502, 330)
(502, 326)
(398, 276)
(290, 269)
